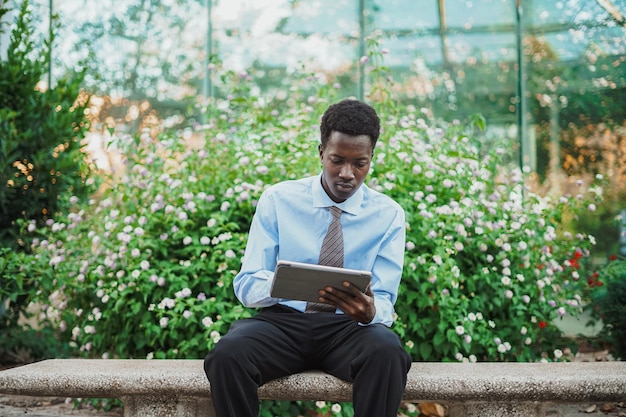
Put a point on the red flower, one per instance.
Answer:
(593, 280)
(612, 257)
(542, 324)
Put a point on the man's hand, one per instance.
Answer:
(349, 299)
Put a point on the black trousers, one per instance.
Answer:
(280, 341)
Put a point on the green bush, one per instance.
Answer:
(146, 269)
(608, 304)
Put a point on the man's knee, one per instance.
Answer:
(224, 355)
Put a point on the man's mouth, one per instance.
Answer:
(344, 185)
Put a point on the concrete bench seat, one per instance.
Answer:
(159, 388)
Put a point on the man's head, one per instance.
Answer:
(349, 131)
(352, 117)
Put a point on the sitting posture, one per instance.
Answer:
(332, 219)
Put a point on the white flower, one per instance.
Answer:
(163, 322)
(207, 321)
(187, 240)
(336, 408)
(460, 330)
(185, 292)
(320, 404)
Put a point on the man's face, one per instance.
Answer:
(346, 160)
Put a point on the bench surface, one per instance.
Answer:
(570, 382)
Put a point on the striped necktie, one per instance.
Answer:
(331, 254)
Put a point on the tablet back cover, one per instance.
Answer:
(299, 281)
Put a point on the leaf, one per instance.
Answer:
(431, 410)
(425, 349)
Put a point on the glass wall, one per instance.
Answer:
(550, 75)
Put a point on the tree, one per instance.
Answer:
(41, 131)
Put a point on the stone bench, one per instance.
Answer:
(159, 388)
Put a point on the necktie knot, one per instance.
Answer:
(335, 211)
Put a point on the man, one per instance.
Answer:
(353, 341)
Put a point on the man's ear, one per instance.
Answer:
(320, 149)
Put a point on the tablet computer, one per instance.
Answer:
(302, 281)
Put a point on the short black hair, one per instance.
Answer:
(352, 117)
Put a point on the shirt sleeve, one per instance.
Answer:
(253, 283)
(387, 271)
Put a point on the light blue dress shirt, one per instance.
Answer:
(290, 223)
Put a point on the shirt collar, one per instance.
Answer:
(321, 199)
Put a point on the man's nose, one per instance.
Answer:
(346, 171)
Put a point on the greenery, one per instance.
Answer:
(41, 153)
(41, 157)
(608, 304)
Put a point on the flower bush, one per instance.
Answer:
(145, 269)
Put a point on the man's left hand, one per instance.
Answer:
(349, 299)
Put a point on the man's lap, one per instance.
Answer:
(280, 341)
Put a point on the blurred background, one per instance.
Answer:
(548, 75)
